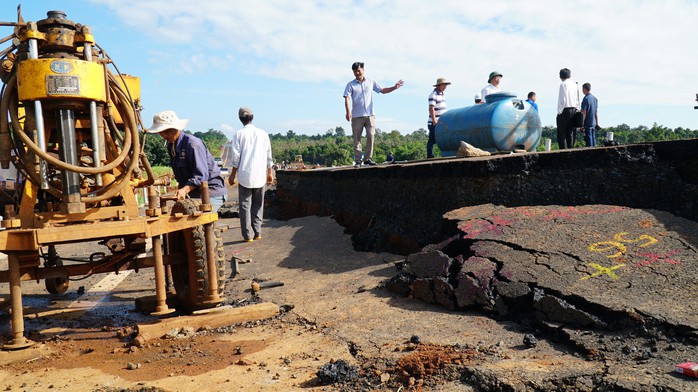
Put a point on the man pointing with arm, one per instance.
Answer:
(358, 103)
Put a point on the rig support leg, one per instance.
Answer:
(154, 209)
(160, 291)
(209, 235)
(18, 339)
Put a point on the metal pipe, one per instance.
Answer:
(41, 141)
(169, 283)
(96, 148)
(69, 154)
(101, 132)
(94, 130)
(87, 51)
(33, 49)
(39, 114)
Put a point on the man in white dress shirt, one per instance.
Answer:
(252, 163)
(567, 105)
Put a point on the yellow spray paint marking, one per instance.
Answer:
(609, 245)
(618, 246)
(603, 270)
(650, 240)
(619, 250)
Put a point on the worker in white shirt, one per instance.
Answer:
(567, 105)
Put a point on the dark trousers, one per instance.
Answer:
(566, 134)
(432, 140)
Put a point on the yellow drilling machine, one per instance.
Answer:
(71, 127)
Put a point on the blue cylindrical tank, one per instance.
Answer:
(502, 123)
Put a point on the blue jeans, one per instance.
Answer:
(217, 202)
(590, 136)
(432, 140)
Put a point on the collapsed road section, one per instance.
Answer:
(593, 248)
(613, 283)
(399, 207)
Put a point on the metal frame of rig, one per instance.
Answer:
(71, 126)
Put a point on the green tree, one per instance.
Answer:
(334, 147)
(213, 139)
(156, 150)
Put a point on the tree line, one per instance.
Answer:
(334, 147)
(156, 151)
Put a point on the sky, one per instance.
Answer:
(290, 60)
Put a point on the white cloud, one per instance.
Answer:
(625, 44)
(632, 51)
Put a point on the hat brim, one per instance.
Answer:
(494, 76)
(178, 125)
(438, 84)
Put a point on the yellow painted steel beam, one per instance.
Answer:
(32, 239)
(36, 274)
(17, 240)
(91, 214)
(168, 224)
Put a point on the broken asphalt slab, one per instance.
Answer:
(342, 293)
(616, 284)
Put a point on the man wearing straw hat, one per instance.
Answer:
(437, 107)
(190, 160)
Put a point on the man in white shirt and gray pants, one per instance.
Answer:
(252, 163)
(567, 104)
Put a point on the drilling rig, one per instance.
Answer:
(71, 126)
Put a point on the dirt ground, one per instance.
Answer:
(337, 316)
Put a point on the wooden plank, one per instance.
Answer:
(215, 318)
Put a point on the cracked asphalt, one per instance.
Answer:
(341, 309)
(612, 283)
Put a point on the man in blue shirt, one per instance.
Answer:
(190, 160)
(359, 93)
(532, 100)
(591, 115)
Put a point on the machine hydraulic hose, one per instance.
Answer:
(130, 147)
(56, 70)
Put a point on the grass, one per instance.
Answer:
(162, 170)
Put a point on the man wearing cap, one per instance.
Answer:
(437, 107)
(493, 86)
(252, 163)
(358, 103)
(190, 160)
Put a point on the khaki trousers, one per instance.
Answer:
(357, 127)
